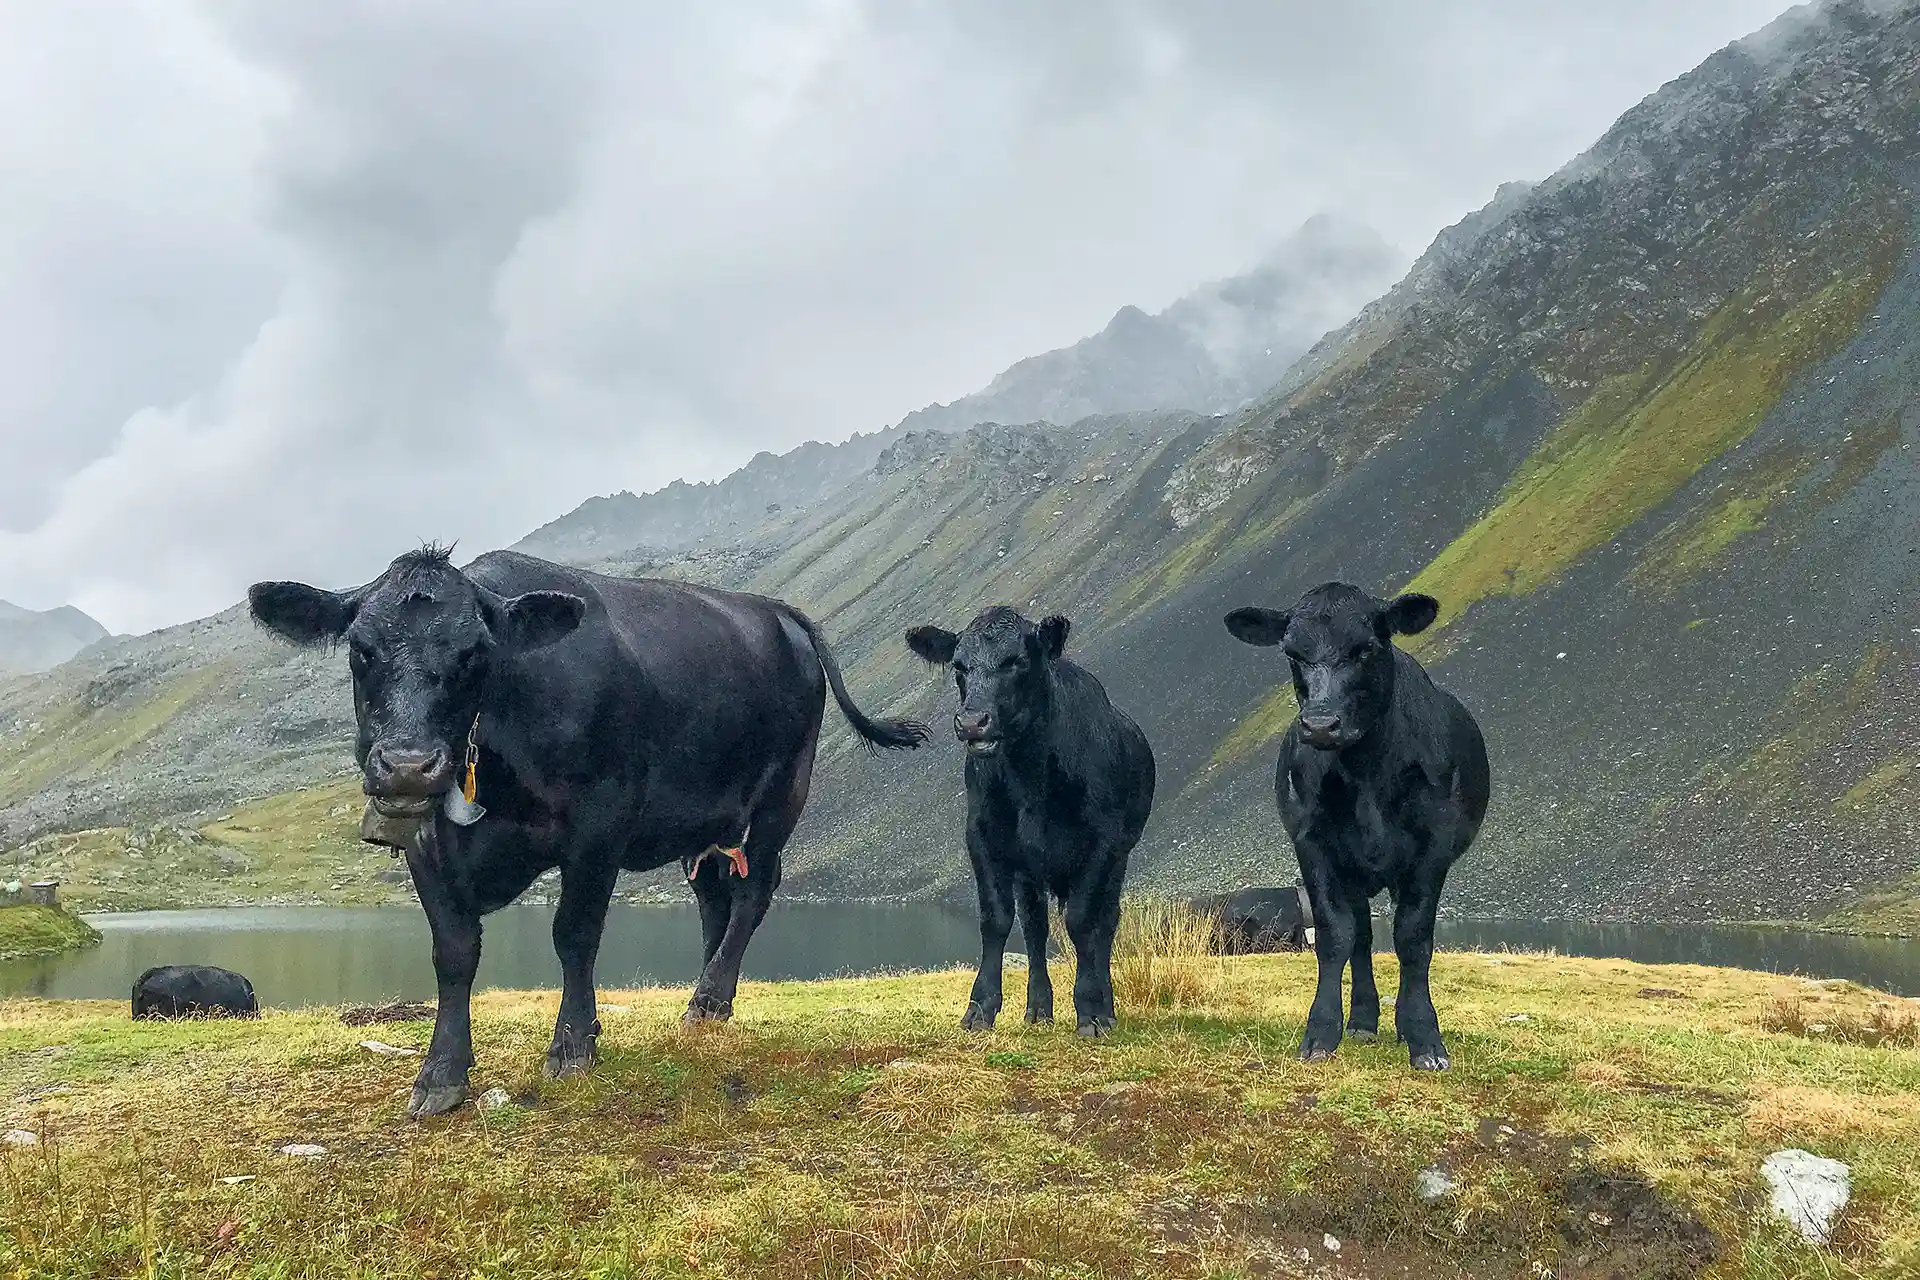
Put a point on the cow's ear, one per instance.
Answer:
(1052, 633)
(1410, 614)
(305, 615)
(537, 619)
(1254, 625)
(933, 644)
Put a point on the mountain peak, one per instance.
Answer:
(33, 641)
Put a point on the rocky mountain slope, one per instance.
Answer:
(1646, 428)
(33, 641)
(1211, 351)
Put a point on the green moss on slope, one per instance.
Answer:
(1640, 437)
(41, 931)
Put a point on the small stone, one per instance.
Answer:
(20, 1138)
(303, 1150)
(1516, 1017)
(388, 1050)
(616, 1008)
(494, 1099)
(1330, 1243)
(1118, 1087)
(1809, 1191)
(235, 1180)
(1432, 1184)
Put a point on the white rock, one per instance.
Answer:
(235, 1180)
(307, 1150)
(1516, 1017)
(1433, 1184)
(20, 1138)
(1331, 1243)
(494, 1099)
(1809, 1191)
(388, 1050)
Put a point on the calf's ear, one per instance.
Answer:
(537, 619)
(1053, 635)
(1254, 625)
(1410, 614)
(305, 615)
(933, 644)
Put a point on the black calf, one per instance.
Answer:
(1382, 783)
(193, 991)
(1059, 784)
(1257, 920)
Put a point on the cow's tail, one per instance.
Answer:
(894, 735)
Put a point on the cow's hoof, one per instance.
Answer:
(1094, 1028)
(976, 1019)
(1315, 1053)
(1431, 1062)
(564, 1066)
(699, 1011)
(435, 1100)
(1362, 1037)
(1037, 1016)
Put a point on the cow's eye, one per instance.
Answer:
(1359, 652)
(1008, 664)
(358, 653)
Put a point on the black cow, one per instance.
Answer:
(1382, 783)
(1059, 785)
(193, 991)
(1257, 920)
(603, 724)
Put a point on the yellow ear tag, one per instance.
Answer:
(471, 787)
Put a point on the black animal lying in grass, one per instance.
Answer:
(1059, 785)
(1382, 783)
(599, 724)
(193, 991)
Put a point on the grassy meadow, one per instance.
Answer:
(1602, 1119)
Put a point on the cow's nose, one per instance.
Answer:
(1320, 726)
(972, 724)
(408, 771)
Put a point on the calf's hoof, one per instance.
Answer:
(564, 1064)
(977, 1018)
(435, 1099)
(1037, 1016)
(1094, 1028)
(1315, 1053)
(1359, 1036)
(1430, 1062)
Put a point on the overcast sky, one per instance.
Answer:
(287, 286)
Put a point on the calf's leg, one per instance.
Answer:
(1033, 923)
(586, 890)
(995, 887)
(748, 900)
(1333, 939)
(442, 1083)
(1093, 916)
(1363, 1015)
(1413, 1016)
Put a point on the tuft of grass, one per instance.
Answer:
(1816, 1015)
(1166, 956)
(42, 931)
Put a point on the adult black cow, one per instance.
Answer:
(1382, 783)
(193, 991)
(602, 724)
(1059, 785)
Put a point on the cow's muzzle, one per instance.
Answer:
(407, 783)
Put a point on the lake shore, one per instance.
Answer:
(1599, 1114)
(30, 931)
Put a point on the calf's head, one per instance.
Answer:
(1338, 640)
(1000, 666)
(421, 641)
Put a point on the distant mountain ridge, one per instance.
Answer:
(37, 641)
(1209, 352)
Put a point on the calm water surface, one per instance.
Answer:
(328, 955)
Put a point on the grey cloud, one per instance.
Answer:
(337, 276)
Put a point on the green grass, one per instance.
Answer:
(41, 931)
(849, 1129)
(1637, 439)
(302, 847)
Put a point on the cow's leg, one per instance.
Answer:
(995, 885)
(1333, 939)
(716, 903)
(442, 1083)
(1093, 915)
(1033, 922)
(747, 902)
(1413, 1015)
(586, 891)
(1363, 1013)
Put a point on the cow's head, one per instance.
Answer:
(421, 641)
(1339, 643)
(1000, 665)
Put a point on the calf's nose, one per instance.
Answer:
(972, 724)
(1320, 726)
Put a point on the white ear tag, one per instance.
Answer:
(460, 811)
